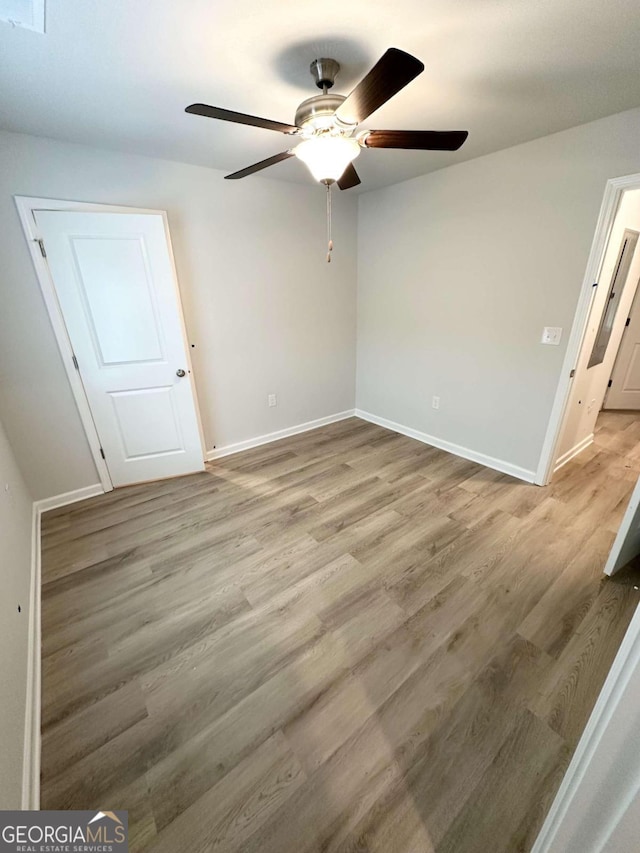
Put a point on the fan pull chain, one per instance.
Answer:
(329, 240)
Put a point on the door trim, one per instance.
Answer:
(614, 189)
(631, 316)
(582, 787)
(26, 205)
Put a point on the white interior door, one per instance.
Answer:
(115, 283)
(627, 543)
(624, 391)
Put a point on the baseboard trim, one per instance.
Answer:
(570, 454)
(31, 751)
(32, 738)
(238, 447)
(56, 501)
(450, 447)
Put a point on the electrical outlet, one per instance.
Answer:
(272, 400)
(435, 402)
(551, 335)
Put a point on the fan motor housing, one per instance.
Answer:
(324, 72)
(317, 113)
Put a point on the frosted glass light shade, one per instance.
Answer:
(327, 156)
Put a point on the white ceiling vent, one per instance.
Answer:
(23, 13)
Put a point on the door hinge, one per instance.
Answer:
(572, 374)
(609, 383)
(75, 362)
(627, 323)
(102, 453)
(40, 243)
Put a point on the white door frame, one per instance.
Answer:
(26, 205)
(631, 316)
(586, 788)
(613, 193)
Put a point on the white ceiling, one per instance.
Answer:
(119, 73)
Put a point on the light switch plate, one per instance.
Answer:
(23, 13)
(551, 335)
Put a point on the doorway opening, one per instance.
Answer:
(595, 422)
(600, 325)
(607, 370)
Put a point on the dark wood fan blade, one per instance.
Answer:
(263, 164)
(424, 140)
(239, 118)
(390, 74)
(350, 178)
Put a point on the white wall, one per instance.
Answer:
(15, 563)
(459, 271)
(265, 310)
(590, 384)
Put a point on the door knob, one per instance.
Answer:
(180, 372)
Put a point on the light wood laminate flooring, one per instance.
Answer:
(342, 641)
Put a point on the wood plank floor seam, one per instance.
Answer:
(345, 640)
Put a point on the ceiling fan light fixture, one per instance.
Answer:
(327, 157)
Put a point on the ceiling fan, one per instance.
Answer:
(327, 124)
